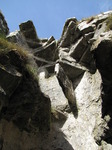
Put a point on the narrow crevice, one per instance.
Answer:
(103, 57)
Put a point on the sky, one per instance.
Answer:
(49, 16)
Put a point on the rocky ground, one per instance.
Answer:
(56, 94)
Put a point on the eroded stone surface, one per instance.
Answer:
(29, 32)
(3, 25)
(73, 71)
(51, 87)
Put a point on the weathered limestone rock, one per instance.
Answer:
(88, 96)
(50, 40)
(71, 68)
(100, 129)
(67, 87)
(12, 60)
(50, 86)
(42, 63)
(26, 28)
(100, 31)
(103, 54)
(48, 52)
(29, 32)
(80, 51)
(29, 108)
(18, 38)
(10, 79)
(70, 33)
(101, 18)
(3, 25)
(35, 94)
(86, 27)
(90, 24)
(88, 36)
(106, 146)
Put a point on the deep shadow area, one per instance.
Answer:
(55, 139)
(107, 110)
(103, 57)
(72, 106)
(28, 108)
(74, 109)
(52, 140)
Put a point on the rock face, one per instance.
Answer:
(59, 97)
(3, 25)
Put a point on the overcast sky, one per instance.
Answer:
(49, 16)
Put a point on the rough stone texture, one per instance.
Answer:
(51, 87)
(9, 81)
(80, 51)
(85, 27)
(18, 38)
(104, 63)
(78, 131)
(72, 69)
(3, 25)
(21, 101)
(67, 87)
(88, 96)
(48, 52)
(70, 33)
(62, 100)
(30, 110)
(29, 32)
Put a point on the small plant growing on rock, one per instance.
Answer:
(26, 56)
(32, 71)
(2, 35)
(6, 46)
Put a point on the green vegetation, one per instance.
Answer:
(32, 71)
(27, 57)
(6, 46)
(109, 23)
(2, 35)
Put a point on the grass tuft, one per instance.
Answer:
(27, 57)
(6, 46)
(32, 71)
